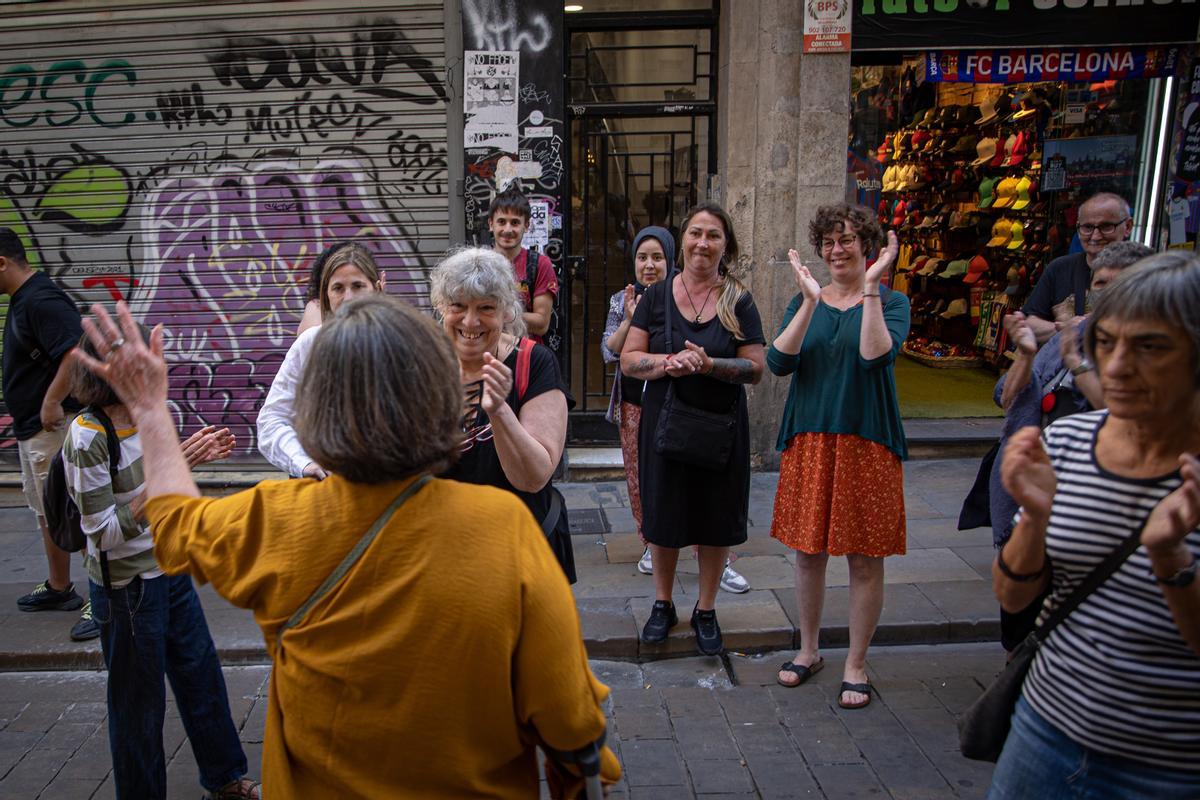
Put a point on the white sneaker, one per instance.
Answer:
(732, 581)
(645, 565)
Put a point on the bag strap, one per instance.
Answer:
(524, 357)
(114, 460)
(352, 557)
(531, 272)
(1097, 576)
(667, 302)
(556, 507)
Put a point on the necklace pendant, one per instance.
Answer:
(697, 319)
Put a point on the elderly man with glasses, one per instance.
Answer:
(1104, 218)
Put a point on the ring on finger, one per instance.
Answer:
(116, 343)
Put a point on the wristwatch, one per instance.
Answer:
(1082, 367)
(1183, 577)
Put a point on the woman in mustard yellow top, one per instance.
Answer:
(421, 673)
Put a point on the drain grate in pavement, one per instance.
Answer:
(588, 522)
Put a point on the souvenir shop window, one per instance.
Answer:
(957, 170)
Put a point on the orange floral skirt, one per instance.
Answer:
(840, 494)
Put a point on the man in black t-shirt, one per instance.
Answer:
(41, 327)
(1103, 219)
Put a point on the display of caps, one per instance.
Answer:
(920, 262)
(957, 308)
(977, 267)
(1006, 193)
(1001, 233)
(883, 152)
(954, 269)
(1009, 144)
(998, 159)
(993, 110)
(1018, 151)
(1023, 199)
(985, 150)
(891, 178)
(959, 221)
(987, 192)
(931, 266)
(899, 213)
(1018, 236)
(967, 115)
(965, 145)
(920, 139)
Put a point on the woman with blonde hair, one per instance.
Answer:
(349, 271)
(696, 339)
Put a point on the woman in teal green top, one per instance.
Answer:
(841, 483)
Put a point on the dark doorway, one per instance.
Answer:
(641, 103)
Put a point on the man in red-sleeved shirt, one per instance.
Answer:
(508, 220)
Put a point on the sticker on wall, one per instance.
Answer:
(536, 117)
(490, 99)
(539, 132)
(538, 234)
(507, 170)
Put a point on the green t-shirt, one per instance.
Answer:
(836, 390)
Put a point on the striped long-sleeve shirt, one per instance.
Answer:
(103, 501)
(1116, 676)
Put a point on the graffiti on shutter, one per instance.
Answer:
(196, 168)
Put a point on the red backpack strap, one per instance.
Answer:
(524, 356)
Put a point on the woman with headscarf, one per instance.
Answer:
(653, 257)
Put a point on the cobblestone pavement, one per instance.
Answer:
(688, 727)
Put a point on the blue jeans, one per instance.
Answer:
(148, 629)
(1040, 761)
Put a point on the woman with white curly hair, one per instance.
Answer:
(515, 402)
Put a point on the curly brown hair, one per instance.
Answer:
(842, 217)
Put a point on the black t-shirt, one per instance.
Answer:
(700, 391)
(1062, 277)
(631, 389)
(41, 326)
(479, 462)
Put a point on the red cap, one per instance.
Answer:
(976, 269)
(898, 214)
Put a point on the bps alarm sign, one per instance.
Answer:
(827, 26)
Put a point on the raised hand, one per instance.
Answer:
(887, 257)
(809, 288)
(631, 301)
(208, 444)
(137, 373)
(1177, 514)
(1020, 334)
(1027, 474)
(685, 362)
(497, 383)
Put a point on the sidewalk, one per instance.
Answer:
(682, 728)
(940, 591)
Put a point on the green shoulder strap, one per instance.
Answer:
(352, 557)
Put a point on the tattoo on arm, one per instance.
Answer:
(733, 370)
(642, 367)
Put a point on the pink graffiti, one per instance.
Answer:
(227, 255)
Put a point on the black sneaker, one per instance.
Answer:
(708, 632)
(662, 619)
(86, 628)
(43, 598)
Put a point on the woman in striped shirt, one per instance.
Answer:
(1111, 704)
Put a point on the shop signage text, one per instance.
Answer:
(906, 24)
(1019, 66)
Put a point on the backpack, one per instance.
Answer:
(63, 519)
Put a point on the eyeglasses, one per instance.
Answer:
(1105, 228)
(846, 242)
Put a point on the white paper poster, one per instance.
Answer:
(538, 234)
(490, 99)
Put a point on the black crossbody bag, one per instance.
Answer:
(688, 434)
(983, 728)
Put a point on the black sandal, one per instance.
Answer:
(861, 688)
(800, 671)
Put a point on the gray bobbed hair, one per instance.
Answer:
(1164, 287)
(477, 273)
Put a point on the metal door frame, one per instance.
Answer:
(589, 426)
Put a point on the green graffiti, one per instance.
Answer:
(90, 198)
(56, 71)
(116, 67)
(21, 72)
